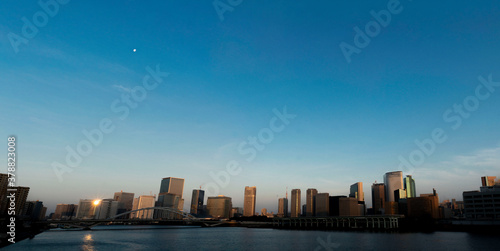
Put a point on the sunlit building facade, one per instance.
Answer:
(126, 200)
(65, 211)
(283, 207)
(249, 201)
(488, 181)
(219, 207)
(393, 181)
(171, 185)
(409, 186)
(356, 191)
(295, 206)
(322, 204)
(311, 201)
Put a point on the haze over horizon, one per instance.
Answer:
(431, 73)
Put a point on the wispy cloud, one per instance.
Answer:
(459, 173)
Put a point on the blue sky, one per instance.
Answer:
(225, 78)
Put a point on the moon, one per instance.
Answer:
(134, 50)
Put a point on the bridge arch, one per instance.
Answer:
(167, 209)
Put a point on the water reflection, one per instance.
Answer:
(88, 243)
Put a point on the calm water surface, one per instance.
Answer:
(232, 238)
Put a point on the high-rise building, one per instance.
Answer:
(168, 200)
(236, 212)
(311, 201)
(393, 181)
(409, 186)
(482, 204)
(283, 207)
(345, 206)
(357, 191)
(488, 181)
(296, 205)
(144, 201)
(322, 204)
(21, 195)
(219, 207)
(173, 186)
(378, 198)
(127, 200)
(425, 206)
(197, 202)
(4, 181)
(64, 211)
(107, 208)
(249, 201)
(87, 209)
(399, 194)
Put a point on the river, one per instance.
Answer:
(240, 238)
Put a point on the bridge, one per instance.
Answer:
(184, 219)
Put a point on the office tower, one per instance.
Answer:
(311, 201)
(171, 185)
(357, 191)
(378, 198)
(127, 200)
(345, 206)
(34, 210)
(43, 213)
(197, 202)
(86, 209)
(296, 206)
(425, 206)
(145, 201)
(219, 207)
(283, 207)
(21, 194)
(322, 204)
(392, 181)
(64, 211)
(488, 181)
(391, 208)
(249, 201)
(107, 208)
(168, 200)
(4, 180)
(304, 210)
(399, 194)
(236, 212)
(409, 186)
(482, 204)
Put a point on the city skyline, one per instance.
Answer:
(250, 100)
(178, 182)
